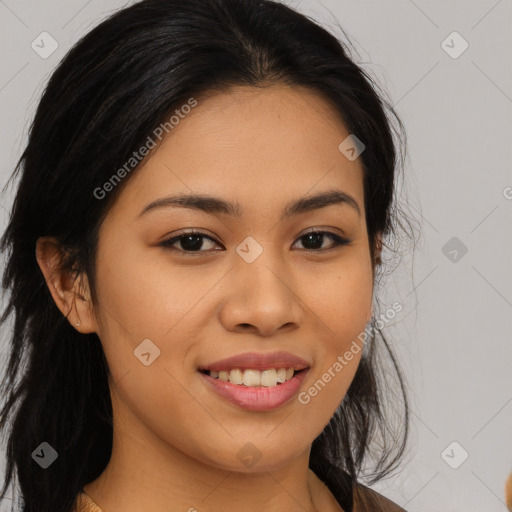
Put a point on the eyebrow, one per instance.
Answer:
(215, 205)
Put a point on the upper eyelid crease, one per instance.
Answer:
(337, 239)
(214, 205)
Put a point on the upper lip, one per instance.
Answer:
(255, 361)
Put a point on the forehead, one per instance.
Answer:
(261, 146)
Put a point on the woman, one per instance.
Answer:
(192, 252)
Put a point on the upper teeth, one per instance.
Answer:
(254, 377)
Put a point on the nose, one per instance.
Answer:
(261, 299)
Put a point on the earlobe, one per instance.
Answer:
(64, 285)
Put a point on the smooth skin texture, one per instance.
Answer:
(176, 441)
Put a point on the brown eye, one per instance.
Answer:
(313, 241)
(191, 241)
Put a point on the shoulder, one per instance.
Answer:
(369, 499)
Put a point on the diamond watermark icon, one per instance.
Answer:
(249, 455)
(44, 455)
(454, 45)
(454, 249)
(249, 249)
(351, 147)
(454, 455)
(44, 45)
(147, 352)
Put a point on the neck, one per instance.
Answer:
(146, 473)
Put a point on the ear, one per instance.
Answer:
(69, 290)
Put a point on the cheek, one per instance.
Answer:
(342, 303)
(139, 310)
(136, 299)
(151, 312)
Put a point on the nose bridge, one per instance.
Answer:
(260, 292)
(261, 271)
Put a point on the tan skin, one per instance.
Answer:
(175, 441)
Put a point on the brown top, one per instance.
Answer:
(84, 503)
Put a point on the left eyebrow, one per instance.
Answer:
(215, 205)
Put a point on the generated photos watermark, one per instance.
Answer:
(137, 156)
(343, 360)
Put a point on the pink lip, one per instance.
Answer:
(255, 361)
(258, 398)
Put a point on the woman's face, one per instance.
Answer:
(252, 282)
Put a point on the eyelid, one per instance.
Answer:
(339, 240)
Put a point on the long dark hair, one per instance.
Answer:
(109, 93)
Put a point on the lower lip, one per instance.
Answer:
(258, 398)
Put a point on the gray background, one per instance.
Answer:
(453, 336)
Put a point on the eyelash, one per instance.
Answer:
(168, 244)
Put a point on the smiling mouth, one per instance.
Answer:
(254, 378)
